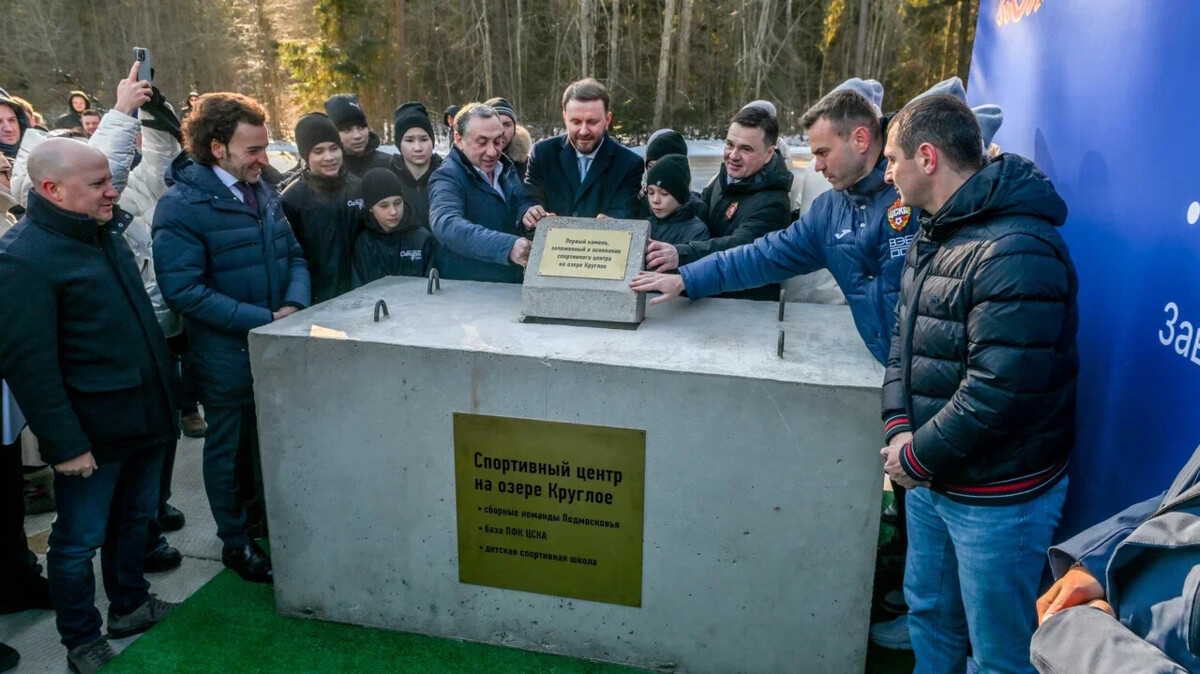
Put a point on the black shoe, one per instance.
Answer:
(32, 593)
(890, 514)
(9, 657)
(250, 562)
(170, 519)
(163, 558)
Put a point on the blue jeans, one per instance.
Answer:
(972, 575)
(109, 511)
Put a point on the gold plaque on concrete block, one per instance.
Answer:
(550, 507)
(585, 253)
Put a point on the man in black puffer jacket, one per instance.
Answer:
(979, 395)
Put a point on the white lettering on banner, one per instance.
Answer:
(899, 245)
(1181, 336)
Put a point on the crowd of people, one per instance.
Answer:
(149, 244)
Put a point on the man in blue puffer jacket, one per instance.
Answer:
(859, 230)
(227, 261)
(476, 202)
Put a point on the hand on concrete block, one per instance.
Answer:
(670, 285)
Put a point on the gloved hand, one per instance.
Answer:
(160, 116)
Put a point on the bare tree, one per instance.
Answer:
(664, 64)
(614, 31)
(587, 34)
(685, 48)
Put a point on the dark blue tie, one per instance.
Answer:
(248, 195)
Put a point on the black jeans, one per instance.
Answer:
(155, 538)
(109, 511)
(14, 548)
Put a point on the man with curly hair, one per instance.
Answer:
(227, 261)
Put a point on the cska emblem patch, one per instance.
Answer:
(731, 210)
(898, 216)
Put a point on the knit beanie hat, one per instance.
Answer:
(868, 89)
(451, 112)
(673, 175)
(312, 130)
(989, 116)
(664, 142)
(503, 107)
(763, 105)
(379, 184)
(345, 111)
(408, 116)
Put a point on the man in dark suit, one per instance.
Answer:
(89, 366)
(585, 172)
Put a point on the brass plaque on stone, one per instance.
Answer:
(550, 507)
(585, 253)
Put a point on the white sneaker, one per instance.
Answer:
(892, 634)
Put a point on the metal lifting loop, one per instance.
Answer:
(380, 305)
(435, 281)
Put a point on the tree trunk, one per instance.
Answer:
(864, 13)
(486, 38)
(520, 93)
(664, 64)
(965, 26)
(614, 30)
(401, 72)
(685, 46)
(587, 31)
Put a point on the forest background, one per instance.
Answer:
(687, 64)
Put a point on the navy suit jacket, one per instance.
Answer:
(610, 187)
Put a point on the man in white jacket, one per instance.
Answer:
(138, 177)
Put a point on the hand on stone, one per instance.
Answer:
(132, 93)
(891, 464)
(532, 216)
(83, 465)
(601, 216)
(661, 256)
(670, 285)
(1076, 588)
(283, 313)
(520, 250)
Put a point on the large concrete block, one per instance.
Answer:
(762, 474)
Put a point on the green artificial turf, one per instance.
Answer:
(230, 625)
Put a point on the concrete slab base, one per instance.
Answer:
(762, 473)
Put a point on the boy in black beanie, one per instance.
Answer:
(672, 212)
(360, 143)
(416, 160)
(324, 207)
(392, 242)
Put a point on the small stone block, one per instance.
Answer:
(579, 272)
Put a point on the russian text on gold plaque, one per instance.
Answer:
(585, 253)
(550, 507)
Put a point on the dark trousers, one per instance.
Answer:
(232, 474)
(156, 540)
(187, 385)
(109, 511)
(14, 549)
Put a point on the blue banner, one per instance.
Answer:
(1105, 96)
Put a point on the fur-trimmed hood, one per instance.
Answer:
(521, 145)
